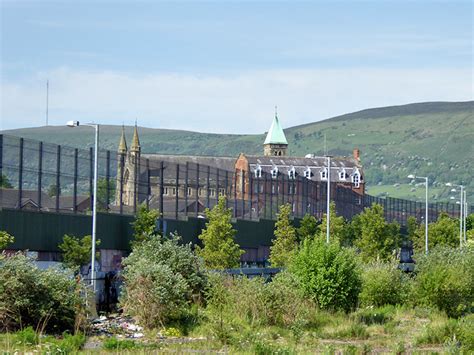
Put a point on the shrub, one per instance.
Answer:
(160, 278)
(48, 299)
(443, 232)
(371, 315)
(383, 283)
(328, 274)
(445, 279)
(5, 239)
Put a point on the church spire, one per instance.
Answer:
(135, 141)
(122, 148)
(275, 142)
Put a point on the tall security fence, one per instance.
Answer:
(41, 176)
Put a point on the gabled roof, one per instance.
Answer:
(275, 135)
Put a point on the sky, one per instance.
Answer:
(222, 66)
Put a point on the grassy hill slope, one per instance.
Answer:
(434, 139)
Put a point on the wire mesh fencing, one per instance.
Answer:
(48, 177)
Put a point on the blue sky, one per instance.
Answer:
(222, 66)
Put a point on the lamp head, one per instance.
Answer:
(449, 184)
(72, 123)
(453, 190)
(411, 176)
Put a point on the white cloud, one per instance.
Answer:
(238, 103)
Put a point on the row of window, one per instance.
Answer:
(171, 191)
(343, 176)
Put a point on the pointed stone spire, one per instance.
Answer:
(135, 147)
(122, 148)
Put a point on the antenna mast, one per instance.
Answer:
(47, 101)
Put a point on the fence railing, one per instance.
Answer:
(48, 177)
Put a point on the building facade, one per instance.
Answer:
(191, 183)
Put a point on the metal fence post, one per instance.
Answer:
(20, 175)
(162, 190)
(74, 192)
(176, 205)
(40, 173)
(196, 208)
(208, 187)
(122, 165)
(148, 183)
(107, 181)
(91, 172)
(58, 177)
(186, 188)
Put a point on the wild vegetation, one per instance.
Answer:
(337, 296)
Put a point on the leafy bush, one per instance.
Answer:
(443, 232)
(5, 239)
(445, 279)
(27, 336)
(370, 316)
(160, 279)
(48, 299)
(383, 283)
(328, 274)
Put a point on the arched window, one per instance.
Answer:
(258, 171)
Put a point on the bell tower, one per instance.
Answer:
(275, 143)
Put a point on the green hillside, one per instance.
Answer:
(434, 139)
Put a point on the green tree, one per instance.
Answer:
(284, 243)
(308, 227)
(377, 239)
(412, 227)
(5, 239)
(328, 274)
(4, 182)
(445, 231)
(337, 225)
(219, 251)
(53, 190)
(144, 225)
(102, 192)
(77, 251)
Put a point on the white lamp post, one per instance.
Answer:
(328, 207)
(411, 176)
(94, 204)
(465, 216)
(461, 211)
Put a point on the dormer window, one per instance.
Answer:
(343, 175)
(258, 171)
(292, 173)
(307, 173)
(356, 178)
(324, 174)
(274, 172)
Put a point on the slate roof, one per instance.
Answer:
(315, 164)
(223, 163)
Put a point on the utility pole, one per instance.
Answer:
(47, 101)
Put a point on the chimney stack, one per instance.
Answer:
(356, 154)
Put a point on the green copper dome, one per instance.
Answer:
(275, 134)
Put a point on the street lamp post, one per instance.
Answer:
(411, 176)
(94, 204)
(328, 207)
(465, 216)
(462, 220)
